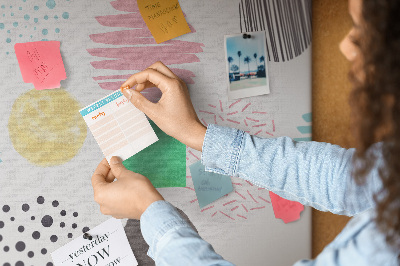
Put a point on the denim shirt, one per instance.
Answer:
(312, 173)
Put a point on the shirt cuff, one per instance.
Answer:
(221, 149)
(156, 221)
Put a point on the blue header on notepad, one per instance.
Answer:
(101, 103)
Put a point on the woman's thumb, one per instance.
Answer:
(116, 166)
(138, 100)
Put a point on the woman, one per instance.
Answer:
(364, 183)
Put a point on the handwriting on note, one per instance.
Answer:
(164, 18)
(41, 63)
(209, 186)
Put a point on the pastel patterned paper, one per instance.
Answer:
(209, 186)
(41, 63)
(118, 126)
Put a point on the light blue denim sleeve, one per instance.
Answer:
(313, 173)
(171, 239)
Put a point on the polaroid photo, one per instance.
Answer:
(246, 64)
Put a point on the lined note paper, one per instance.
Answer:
(118, 126)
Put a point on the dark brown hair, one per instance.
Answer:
(376, 102)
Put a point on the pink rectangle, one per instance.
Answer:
(116, 147)
(101, 122)
(130, 129)
(108, 143)
(139, 134)
(104, 128)
(126, 116)
(108, 134)
(132, 121)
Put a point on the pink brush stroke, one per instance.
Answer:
(141, 55)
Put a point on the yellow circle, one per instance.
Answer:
(46, 127)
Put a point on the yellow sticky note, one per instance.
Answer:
(164, 18)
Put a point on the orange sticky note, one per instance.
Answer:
(164, 18)
(287, 210)
(41, 63)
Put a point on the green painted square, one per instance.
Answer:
(163, 162)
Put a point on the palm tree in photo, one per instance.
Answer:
(255, 58)
(230, 59)
(239, 54)
(262, 59)
(247, 60)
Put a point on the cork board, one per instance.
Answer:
(330, 105)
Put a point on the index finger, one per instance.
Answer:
(100, 174)
(160, 80)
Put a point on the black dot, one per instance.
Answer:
(74, 225)
(53, 238)
(6, 248)
(55, 203)
(20, 246)
(1, 224)
(32, 218)
(21, 228)
(43, 251)
(85, 229)
(63, 213)
(1, 238)
(49, 264)
(6, 208)
(62, 224)
(19, 263)
(75, 214)
(25, 207)
(36, 235)
(12, 219)
(47, 221)
(31, 254)
(69, 235)
(40, 200)
(6, 264)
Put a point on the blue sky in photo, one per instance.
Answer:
(248, 47)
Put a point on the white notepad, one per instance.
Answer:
(118, 126)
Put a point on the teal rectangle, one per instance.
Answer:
(209, 186)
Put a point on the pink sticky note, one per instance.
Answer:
(284, 209)
(41, 63)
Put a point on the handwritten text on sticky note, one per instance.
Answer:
(287, 210)
(164, 18)
(41, 63)
(209, 186)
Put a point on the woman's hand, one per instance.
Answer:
(174, 112)
(127, 197)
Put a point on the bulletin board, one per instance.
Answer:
(46, 197)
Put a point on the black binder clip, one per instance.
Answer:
(246, 36)
(87, 236)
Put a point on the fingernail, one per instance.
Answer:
(115, 160)
(128, 93)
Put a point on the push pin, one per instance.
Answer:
(127, 87)
(246, 36)
(87, 236)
